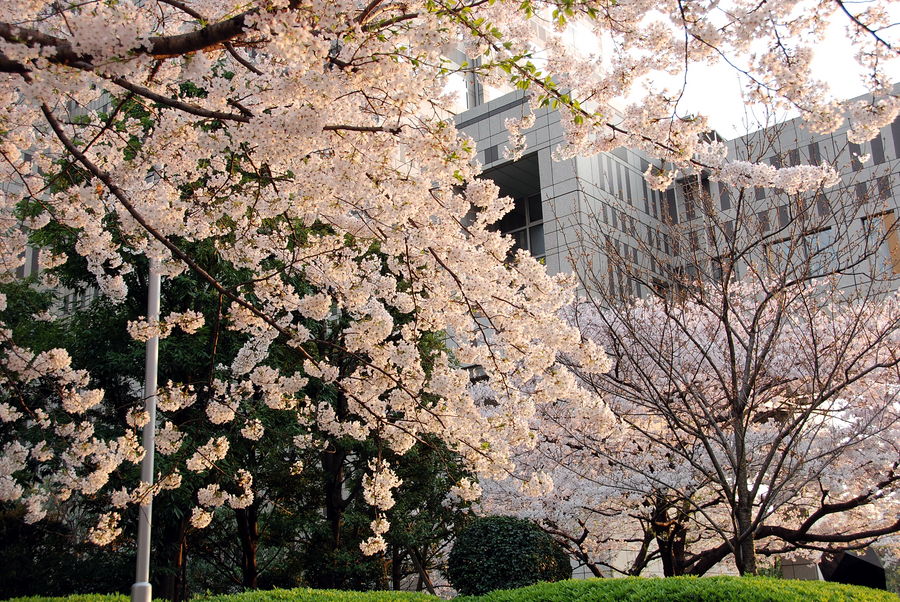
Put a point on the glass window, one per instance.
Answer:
(628, 194)
(823, 206)
(862, 192)
(783, 216)
(884, 187)
(536, 240)
(883, 242)
(877, 150)
(855, 152)
(671, 216)
(895, 130)
(763, 218)
(525, 225)
(815, 156)
(724, 197)
(646, 200)
(813, 253)
(535, 208)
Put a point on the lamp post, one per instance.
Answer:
(142, 591)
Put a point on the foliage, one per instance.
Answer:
(294, 542)
(306, 147)
(501, 552)
(50, 559)
(735, 420)
(631, 589)
(688, 589)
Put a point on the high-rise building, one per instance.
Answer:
(598, 215)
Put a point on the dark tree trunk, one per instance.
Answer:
(333, 459)
(396, 568)
(172, 560)
(671, 537)
(248, 533)
(424, 577)
(744, 548)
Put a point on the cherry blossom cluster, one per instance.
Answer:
(820, 418)
(50, 447)
(310, 143)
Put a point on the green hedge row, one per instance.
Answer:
(632, 589)
(687, 589)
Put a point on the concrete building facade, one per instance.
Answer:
(598, 215)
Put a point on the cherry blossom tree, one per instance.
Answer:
(300, 136)
(753, 399)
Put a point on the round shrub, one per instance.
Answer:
(502, 552)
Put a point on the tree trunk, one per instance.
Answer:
(744, 549)
(396, 568)
(425, 578)
(248, 532)
(671, 536)
(333, 467)
(172, 557)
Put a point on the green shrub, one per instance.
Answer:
(273, 595)
(316, 595)
(502, 552)
(631, 589)
(688, 589)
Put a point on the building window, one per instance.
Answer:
(525, 224)
(630, 198)
(877, 150)
(717, 268)
(646, 199)
(670, 215)
(694, 241)
(690, 188)
(724, 197)
(784, 217)
(823, 206)
(815, 156)
(763, 219)
(812, 253)
(884, 187)
(855, 152)
(895, 130)
(882, 242)
(862, 192)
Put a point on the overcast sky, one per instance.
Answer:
(717, 91)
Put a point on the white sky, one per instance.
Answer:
(717, 92)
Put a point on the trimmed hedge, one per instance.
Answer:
(687, 589)
(504, 552)
(301, 594)
(631, 589)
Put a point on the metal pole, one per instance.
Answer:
(142, 591)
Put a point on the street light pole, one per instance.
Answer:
(142, 591)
